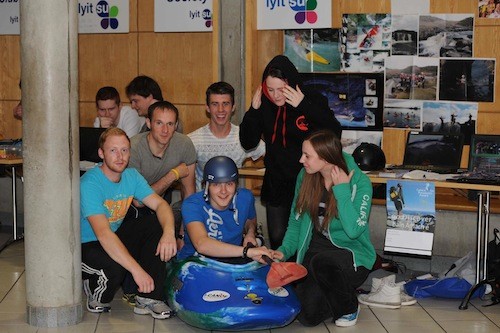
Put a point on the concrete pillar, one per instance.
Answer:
(232, 51)
(49, 66)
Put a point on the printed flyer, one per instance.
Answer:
(411, 217)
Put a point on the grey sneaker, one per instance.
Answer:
(158, 309)
(93, 305)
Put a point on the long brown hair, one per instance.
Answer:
(328, 147)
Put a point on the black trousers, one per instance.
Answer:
(329, 290)
(277, 222)
(140, 237)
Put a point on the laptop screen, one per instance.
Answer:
(484, 153)
(436, 150)
(89, 139)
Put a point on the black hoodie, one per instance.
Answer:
(284, 129)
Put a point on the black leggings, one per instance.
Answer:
(329, 290)
(277, 222)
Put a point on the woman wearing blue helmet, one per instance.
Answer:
(221, 218)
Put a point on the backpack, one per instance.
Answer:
(493, 266)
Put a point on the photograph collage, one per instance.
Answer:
(399, 71)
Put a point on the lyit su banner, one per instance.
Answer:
(9, 17)
(183, 16)
(103, 16)
(293, 14)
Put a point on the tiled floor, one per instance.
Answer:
(429, 315)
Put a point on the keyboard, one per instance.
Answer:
(479, 177)
(431, 168)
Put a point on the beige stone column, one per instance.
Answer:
(49, 66)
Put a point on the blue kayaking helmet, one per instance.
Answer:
(220, 169)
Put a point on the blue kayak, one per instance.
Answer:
(212, 295)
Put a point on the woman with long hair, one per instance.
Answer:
(328, 231)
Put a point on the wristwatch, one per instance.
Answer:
(180, 237)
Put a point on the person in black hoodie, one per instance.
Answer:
(284, 113)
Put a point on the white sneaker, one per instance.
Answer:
(406, 299)
(387, 296)
(158, 309)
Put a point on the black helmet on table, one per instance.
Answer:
(369, 157)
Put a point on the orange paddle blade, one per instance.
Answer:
(283, 273)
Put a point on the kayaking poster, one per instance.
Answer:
(365, 42)
(446, 35)
(313, 50)
(293, 14)
(411, 217)
(355, 98)
(409, 77)
(404, 35)
(471, 80)
(403, 114)
(183, 16)
(450, 117)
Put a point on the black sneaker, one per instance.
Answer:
(93, 305)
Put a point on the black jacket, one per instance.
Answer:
(293, 125)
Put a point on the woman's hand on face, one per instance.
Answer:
(339, 176)
(256, 100)
(293, 96)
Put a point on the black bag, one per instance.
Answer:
(493, 266)
(492, 273)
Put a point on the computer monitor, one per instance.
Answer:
(440, 151)
(484, 154)
(89, 139)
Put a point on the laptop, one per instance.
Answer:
(435, 152)
(89, 139)
(484, 161)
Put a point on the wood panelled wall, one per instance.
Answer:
(184, 64)
(263, 45)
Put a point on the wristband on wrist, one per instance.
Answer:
(176, 173)
(245, 251)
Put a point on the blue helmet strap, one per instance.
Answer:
(205, 194)
(234, 209)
